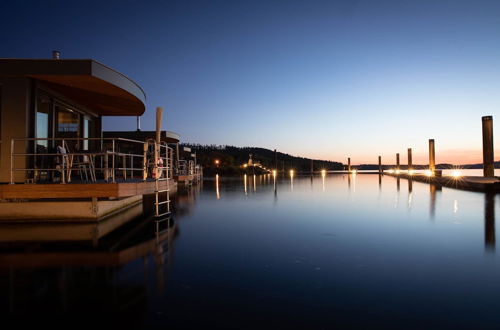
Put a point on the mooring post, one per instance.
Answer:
(275, 160)
(488, 153)
(380, 164)
(432, 156)
(349, 164)
(397, 161)
(410, 165)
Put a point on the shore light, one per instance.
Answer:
(291, 172)
(397, 171)
(390, 171)
(428, 173)
(456, 174)
(411, 172)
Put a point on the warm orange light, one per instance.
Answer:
(429, 173)
(397, 171)
(411, 172)
(390, 171)
(456, 174)
(216, 162)
(291, 172)
(244, 165)
(353, 171)
(323, 172)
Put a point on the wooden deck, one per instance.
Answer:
(78, 190)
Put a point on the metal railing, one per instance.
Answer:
(105, 156)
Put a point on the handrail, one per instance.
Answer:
(64, 161)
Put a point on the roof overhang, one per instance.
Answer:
(92, 84)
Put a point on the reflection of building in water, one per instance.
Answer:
(489, 221)
(112, 276)
(57, 269)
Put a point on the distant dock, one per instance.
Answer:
(471, 183)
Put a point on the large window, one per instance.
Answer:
(42, 122)
(68, 121)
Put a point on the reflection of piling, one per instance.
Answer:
(410, 185)
(489, 222)
(349, 164)
(432, 156)
(397, 161)
(380, 181)
(380, 164)
(398, 183)
(410, 164)
(433, 189)
(488, 154)
(312, 166)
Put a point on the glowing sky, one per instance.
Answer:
(319, 79)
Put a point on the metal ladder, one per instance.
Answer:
(162, 174)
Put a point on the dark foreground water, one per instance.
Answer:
(328, 252)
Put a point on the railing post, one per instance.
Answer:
(12, 161)
(63, 165)
(113, 163)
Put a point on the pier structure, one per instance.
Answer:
(55, 163)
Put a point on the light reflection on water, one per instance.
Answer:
(351, 250)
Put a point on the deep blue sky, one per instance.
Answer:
(322, 79)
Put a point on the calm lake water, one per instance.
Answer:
(345, 251)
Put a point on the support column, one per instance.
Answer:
(397, 161)
(488, 153)
(410, 164)
(349, 164)
(380, 164)
(432, 156)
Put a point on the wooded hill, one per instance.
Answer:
(232, 158)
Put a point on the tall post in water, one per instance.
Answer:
(379, 164)
(410, 164)
(312, 167)
(397, 161)
(349, 164)
(488, 154)
(432, 156)
(275, 160)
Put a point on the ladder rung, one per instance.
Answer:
(163, 214)
(164, 202)
(161, 191)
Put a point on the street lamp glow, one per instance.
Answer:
(291, 172)
(390, 171)
(397, 171)
(411, 172)
(456, 174)
(428, 173)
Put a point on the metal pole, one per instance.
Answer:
(432, 156)
(410, 164)
(113, 163)
(12, 161)
(488, 153)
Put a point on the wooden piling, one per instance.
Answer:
(397, 161)
(488, 153)
(275, 160)
(349, 164)
(432, 156)
(410, 164)
(380, 164)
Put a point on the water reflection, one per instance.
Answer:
(432, 205)
(217, 192)
(323, 177)
(489, 222)
(245, 184)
